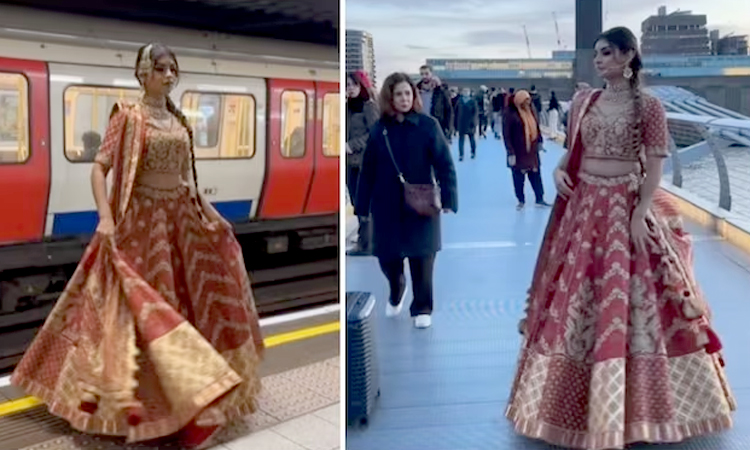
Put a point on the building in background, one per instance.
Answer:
(731, 45)
(723, 80)
(676, 33)
(678, 51)
(360, 53)
(563, 55)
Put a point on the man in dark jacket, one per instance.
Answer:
(536, 100)
(435, 99)
(455, 97)
(483, 107)
(467, 118)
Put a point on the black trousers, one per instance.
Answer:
(421, 279)
(365, 225)
(472, 142)
(483, 124)
(535, 178)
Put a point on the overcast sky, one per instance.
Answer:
(406, 32)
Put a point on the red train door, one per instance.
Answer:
(324, 190)
(290, 157)
(24, 150)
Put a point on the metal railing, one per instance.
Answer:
(700, 142)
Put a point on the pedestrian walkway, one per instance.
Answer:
(445, 388)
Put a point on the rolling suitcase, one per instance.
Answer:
(362, 378)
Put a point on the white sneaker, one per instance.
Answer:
(423, 321)
(393, 311)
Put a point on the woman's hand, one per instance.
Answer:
(512, 160)
(216, 220)
(106, 227)
(563, 183)
(640, 234)
(215, 225)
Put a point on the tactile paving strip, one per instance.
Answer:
(285, 395)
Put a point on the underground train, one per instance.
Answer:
(265, 115)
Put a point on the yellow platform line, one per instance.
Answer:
(18, 405)
(302, 334)
(24, 403)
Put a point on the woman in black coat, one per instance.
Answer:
(420, 150)
(523, 139)
(361, 114)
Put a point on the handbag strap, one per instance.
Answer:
(390, 152)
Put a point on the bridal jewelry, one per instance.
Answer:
(157, 108)
(617, 94)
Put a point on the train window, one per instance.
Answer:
(331, 124)
(14, 118)
(87, 111)
(223, 125)
(293, 108)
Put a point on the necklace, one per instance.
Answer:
(617, 93)
(157, 107)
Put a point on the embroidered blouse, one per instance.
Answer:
(607, 130)
(166, 152)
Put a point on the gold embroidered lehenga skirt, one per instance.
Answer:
(618, 346)
(156, 332)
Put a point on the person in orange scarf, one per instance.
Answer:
(523, 140)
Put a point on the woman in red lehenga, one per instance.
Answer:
(618, 347)
(156, 334)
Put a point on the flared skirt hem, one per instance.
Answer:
(641, 432)
(86, 423)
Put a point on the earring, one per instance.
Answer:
(627, 73)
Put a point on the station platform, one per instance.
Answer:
(298, 408)
(446, 387)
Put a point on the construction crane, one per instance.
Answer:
(528, 44)
(557, 30)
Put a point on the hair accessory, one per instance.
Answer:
(145, 65)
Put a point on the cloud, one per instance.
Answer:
(490, 37)
(540, 35)
(442, 15)
(469, 6)
(408, 32)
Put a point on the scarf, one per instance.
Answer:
(530, 126)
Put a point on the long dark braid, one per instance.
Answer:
(635, 87)
(184, 122)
